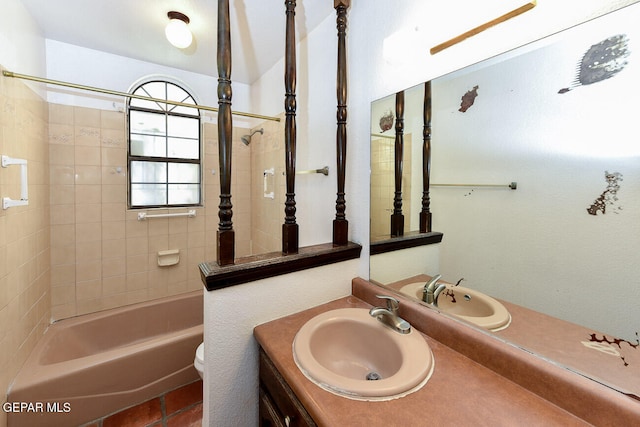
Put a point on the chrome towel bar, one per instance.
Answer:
(511, 185)
(143, 215)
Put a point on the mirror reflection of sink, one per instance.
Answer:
(352, 354)
(468, 304)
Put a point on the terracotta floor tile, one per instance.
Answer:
(192, 417)
(138, 416)
(183, 397)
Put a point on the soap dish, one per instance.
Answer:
(167, 258)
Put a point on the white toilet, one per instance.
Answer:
(198, 362)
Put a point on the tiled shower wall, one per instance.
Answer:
(76, 248)
(24, 231)
(267, 215)
(101, 255)
(383, 184)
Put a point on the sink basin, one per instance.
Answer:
(468, 304)
(340, 349)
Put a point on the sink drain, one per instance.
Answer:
(373, 376)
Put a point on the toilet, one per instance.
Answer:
(198, 362)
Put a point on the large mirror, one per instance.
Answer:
(561, 249)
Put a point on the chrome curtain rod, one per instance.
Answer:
(128, 95)
(511, 185)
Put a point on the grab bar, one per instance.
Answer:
(143, 215)
(265, 176)
(7, 202)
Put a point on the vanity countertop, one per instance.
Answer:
(582, 349)
(460, 392)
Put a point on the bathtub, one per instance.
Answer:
(89, 366)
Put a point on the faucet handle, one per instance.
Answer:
(392, 304)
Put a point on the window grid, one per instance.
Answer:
(178, 146)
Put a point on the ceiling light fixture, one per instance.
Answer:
(177, 30)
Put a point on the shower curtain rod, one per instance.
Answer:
(129, 95)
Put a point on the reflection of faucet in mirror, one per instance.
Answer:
(432, 290)
(389, 315)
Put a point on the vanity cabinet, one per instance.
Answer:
(279, 406)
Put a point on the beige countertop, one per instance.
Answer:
(460, 392)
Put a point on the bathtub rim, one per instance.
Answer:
(25, 381)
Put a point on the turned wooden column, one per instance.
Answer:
(397, 218)
(290, 228)
(340, 223)
(425, 213)
(225, 238)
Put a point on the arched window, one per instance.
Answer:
(164, 155)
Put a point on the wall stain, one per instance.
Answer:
(468, 99)
(609, 196)
(386, 121)
(601, 61)
(449, 293)
(616, 341)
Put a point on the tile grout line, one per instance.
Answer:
(163, 409)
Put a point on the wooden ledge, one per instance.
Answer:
(409, 240)
(249, 269)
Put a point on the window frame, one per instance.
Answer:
(166, 112)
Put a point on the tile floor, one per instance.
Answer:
(181, 407)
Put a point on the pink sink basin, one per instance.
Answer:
(340, 349)
(467, 304)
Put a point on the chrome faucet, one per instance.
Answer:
(432, 290)
(389, 315)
